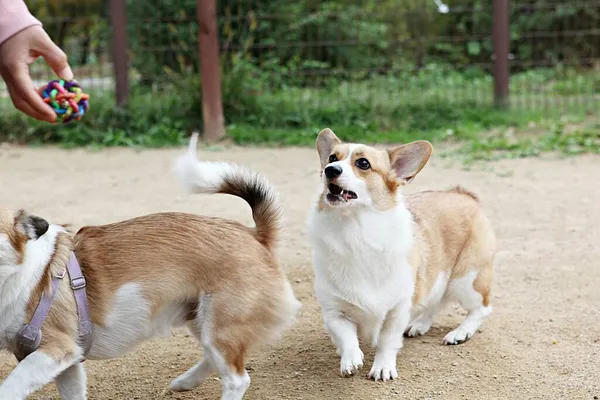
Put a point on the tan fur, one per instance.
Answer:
(8, 226)
(380, 178)
(175, 258)
(453, 235)
(190, 255)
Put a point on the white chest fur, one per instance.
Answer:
(18, 281)
(360, 259)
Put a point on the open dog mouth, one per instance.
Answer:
(336, 193)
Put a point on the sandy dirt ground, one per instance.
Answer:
(541, 342)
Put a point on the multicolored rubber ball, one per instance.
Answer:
(66, 98)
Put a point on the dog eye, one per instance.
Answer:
(363, 163)
(332, 158)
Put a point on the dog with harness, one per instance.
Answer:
(100, 293)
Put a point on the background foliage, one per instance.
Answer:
(383, 70)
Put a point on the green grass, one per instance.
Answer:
(564, 136)
(511, 135)
(436, 104)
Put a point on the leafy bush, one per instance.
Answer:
(381, 108)
(310, 39)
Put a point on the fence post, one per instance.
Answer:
(208, 37)
(501, 39)
(118, 20)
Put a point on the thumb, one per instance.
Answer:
(55, 57)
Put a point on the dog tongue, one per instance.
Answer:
(346, 195)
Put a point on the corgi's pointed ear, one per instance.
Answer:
(326, 141)
(407, 160)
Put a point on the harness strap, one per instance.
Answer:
(78, 285)
(30, 335)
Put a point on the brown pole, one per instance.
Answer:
(208, 37)
(118, 20)
(501, 39)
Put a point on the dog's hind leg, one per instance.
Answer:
(193, 377)
(471, 280)
(71, 383)
(473, 293)
(228, 359)
(196, 375)
(225, 339)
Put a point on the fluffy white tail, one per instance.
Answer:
(220, 177)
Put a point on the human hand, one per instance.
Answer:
(16, 54)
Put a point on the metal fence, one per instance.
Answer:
(530, 54)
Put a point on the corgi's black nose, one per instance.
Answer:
(333, 171)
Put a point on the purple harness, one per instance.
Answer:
(30, 335)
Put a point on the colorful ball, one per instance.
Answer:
(67, 99)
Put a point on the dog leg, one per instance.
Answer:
(469, 326)
(224, 347)
(34, 372)
(196, 375)
(71, 383)
(234, 381)
(345, 337)
(193, 377)
(390, 342)
(476, 303)
(420, 325)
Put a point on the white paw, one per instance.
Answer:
(458, 336)
(384, 366)
(182, 384)
(418, 328)
(351, 362)
(383, 372)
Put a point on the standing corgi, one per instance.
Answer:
(384, 263)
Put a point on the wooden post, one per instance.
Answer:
(501, 39)
(208, 37)
(118, 20)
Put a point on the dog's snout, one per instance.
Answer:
(333, 171)
(39, 225)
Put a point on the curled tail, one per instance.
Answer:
(220, 177)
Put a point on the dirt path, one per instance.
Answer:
(541, 342)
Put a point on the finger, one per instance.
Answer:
(24, 96)
(54, 56)
(21, 105)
